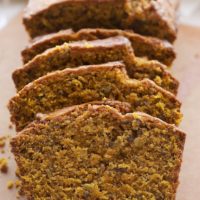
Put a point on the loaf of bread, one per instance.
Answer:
(96, 108)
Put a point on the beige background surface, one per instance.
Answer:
(186, 68)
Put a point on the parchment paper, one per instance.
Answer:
(186, 68)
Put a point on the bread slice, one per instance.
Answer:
(149, 17)
(91, 83)
(144, 46)
(94, 52)
(96, 152)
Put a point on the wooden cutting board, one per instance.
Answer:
(186, 68)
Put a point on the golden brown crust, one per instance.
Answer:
(121, 110)
(122, 107)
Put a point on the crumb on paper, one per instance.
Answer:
(3, 165)
(10, 185)
(2, 141)
(18, 196)
(10, 126)
(2, 151)
(17, 183)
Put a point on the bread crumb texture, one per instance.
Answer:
(87, 84)
(98, 153)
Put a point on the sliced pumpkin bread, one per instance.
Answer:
(149, 17)
(144, 46)
(96, 152)
(92, 83)
(70, 55)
